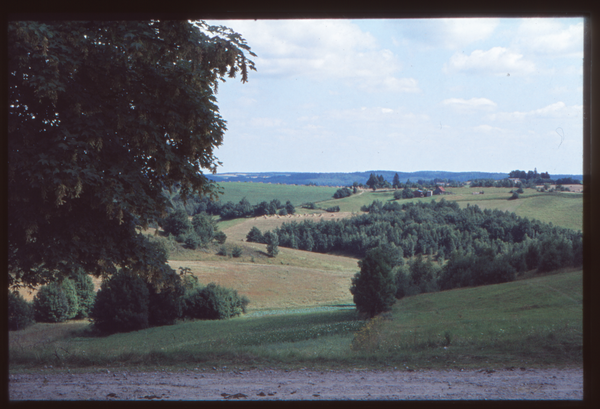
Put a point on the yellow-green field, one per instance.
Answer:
(529, 323)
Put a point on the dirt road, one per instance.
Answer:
(224, 384)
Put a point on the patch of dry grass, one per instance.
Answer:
(276, 286)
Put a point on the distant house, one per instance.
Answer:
(515, 180)
(439, 191)
(428, 193)
(418, 193)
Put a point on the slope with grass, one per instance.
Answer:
(561, 209)
(535, 322)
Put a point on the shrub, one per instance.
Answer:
(333, 209)
(166, 243)
(176, 223)
(255, 236)
(340, 193)
(398, 194)
(222, 251)
(165, 299)
(289, 208)
(236, 252)
(204, 227)
(121, 304)
(72, 299)
(50, 304)
(514, 196)
(85, 292)
(192, 241)
(214, 302)
(220, 237)
(272, 244)
(20, 312)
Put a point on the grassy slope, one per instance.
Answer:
(561, 209)
(527, 322)
(533, 322)
(298, 279)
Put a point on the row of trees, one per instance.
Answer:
(228, 210)
(437, 229)
(385, 276)
(378, 182)
(530, 175)
(526, 179)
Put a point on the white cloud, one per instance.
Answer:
(496, 61)
(265, 122)
(373, 114)
(550, 36)
(450, 33)
(322, 50)
(556, 110)
(486, 128)
(470, 105)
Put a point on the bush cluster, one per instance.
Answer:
(198, 232)
(128, 302)
(213, 302)
(343, 192)
(71, 298)
(20, 312)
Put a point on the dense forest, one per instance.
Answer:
(480, 246)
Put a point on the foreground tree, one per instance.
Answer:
(101, 116)
(374, 287)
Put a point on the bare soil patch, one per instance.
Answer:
(226, 384)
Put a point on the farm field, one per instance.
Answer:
(258, 192)
(534, 322)
(561, 209)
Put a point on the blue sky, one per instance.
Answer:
(490, 95)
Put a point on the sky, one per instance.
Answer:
(466, 94)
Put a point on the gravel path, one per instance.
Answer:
(224, 384)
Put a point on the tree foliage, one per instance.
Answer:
(121, 304)
(214, 302)
(102, 115)
(20, 312)
(374, 287)
(50, 304)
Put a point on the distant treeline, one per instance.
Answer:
(347, 179)
(481, 246)
(229, 210)
(525, 179)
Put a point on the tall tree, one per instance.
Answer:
(101, 116)
(374, 287)
(396, 181)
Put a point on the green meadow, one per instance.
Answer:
(258, 192)
(534, 322)
(561, 209)
(301, 312)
